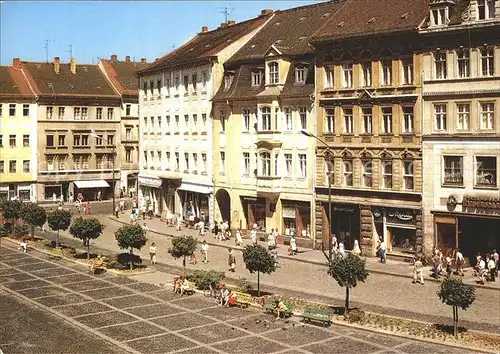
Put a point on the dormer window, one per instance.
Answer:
(256, 78)
(228, 80)
(273, 73)
(301, 74)
(439, 16)
(485, 9)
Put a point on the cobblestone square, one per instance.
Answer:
(213, 333)
(182, 321)
(157, 310)
(126, 332)
(53, 272)
(342, 345)
(105, 319)
(87, 285)
(83, 309)
(250, 345)
(66, 299)
(194, 302)
(20, 285)
(106, 292)
(294, 333)
(165, 295)
(46, 291)
(161, 344)
(144, 288)
(129, 301)
(71, 278)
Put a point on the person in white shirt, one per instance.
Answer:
(201, 225)
(122, 205)
(341, 250)
(459, 262)
(356, 250)
(253, 236)
(239, 238)
(152, 253)
(293, 246)
(271, 242)
(481, 269)
(490, 263)
(204, 251)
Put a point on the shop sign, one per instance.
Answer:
(343, 208)
(469, 202)
(400, 216)
(296, 203)
(254, 200)
(150, 182)
(289, 212)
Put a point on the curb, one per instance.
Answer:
(322, 264)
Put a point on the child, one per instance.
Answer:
(152, 253)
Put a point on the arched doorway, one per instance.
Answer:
(224, 204)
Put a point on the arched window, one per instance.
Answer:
(265, 118)
(367, 167)
(386, 165)
(347, 169)
(265, 160)
(273, 73)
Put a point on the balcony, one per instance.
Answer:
(270, 184)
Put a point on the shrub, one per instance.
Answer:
(355, 315)
(454, 293)
(19, 230)
(59, 220)
(128, 259)
(182, 247)
(204, 279)
(130, 237)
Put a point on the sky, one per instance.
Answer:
(98, 29)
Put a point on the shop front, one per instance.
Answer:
(345, 223)
(296, 216)
(151, 193)
(20, 191)
(90, 190)
(397, 227)
(195, 200)
(254, 209)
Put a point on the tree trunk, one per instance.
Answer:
(346, 310)
(258, 284)
(57, 239)
(32, 231)
(88, 249)
(131, 259)
(184, 265)
(455, 321)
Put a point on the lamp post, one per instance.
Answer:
(113, 166)
(330, 172)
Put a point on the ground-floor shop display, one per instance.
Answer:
(19, 191)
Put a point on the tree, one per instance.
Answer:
(59, 220)
(347, 271)
(3, 233)
(456, 294)
(130, 237)
(85, 230)
(182, 247)
(12, 209)
(258, 259)
(33, 215)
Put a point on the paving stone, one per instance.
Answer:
(340, 345)
(15, 277)
(250, 345)
(71, 278)
(7, 270)
(37, 266)
(213, 333)
(194, 302)
(20, 285)
(182, 321)
(258, 323)
(52, 301)
(131, 331)
(157, 310)
(296, 333)
(143, 287)
(107, 293)
(381, 339)
(415, 347)
(46, 273)
(18, 261)
(166, 295)
(121, 280)
(47, 291)
(198, 350)
(162, 344)
(82, 309)
(129, 301)
(227, 313)
(87, 285)
(105, 319)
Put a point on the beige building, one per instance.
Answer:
(461, 130)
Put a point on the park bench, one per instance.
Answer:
(271, 308)
(56, 253)
(318, 315)
(242, 299)
(189, 290)
(97, 266)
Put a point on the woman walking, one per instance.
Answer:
(152, 253)
(231, 261)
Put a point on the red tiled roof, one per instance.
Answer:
(13, 83)
(205, 45)
(366, 17)
(122, 75)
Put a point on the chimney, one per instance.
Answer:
(143, 60)
(57, 65)
(72, 65)
(223, 25)
(127, 58)
(266, 12)
(204, 29)
(114, 57)
(231, 22)
(16, 63)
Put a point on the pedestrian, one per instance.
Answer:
(356, 250)
(496, 258)
(117, 211)
(276, 237)
(60, 207)
(253, 236)
(271, 241)
(239, 238)
(152, 253)
(201, 225)
(381, 251)
(179, 223)
(145, 228)
(480, 269)
(150, 211)
(204, 251)
(132, 216)
(70, 198)
(231, 261)
(122, 205)
(459, 262)
(293, 246)
(88, 207)
(54, 197)
(169, 218)
(335, 244)
(418, 270)
(448, 261)
(61, 199)
(436, 262)
(99, 196)
(491, 267)
(341, 250)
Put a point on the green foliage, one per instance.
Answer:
(3, 231)
(59, 219)
(258, 259)
(453, 292)
(128, 259)
(204, 279)
(20, 230)
(183, 246)
(33, 214)
(130, 237)
(86, 229)
(12, 209)
(347, 271)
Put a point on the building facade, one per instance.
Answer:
(368, 96)
(461, 131)
(18, 136)
(176, 158)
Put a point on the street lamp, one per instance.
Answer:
(330, 171)
(114, 183)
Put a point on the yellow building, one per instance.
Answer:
(18, 138)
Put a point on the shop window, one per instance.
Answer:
(486, 171)
(453, 170)
(296, 220)
(257, 216)
(402, 239)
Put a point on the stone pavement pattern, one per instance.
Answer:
(112, 314)
(379, 293)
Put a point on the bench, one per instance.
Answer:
(96, 267)
(271, 309)
(56, 253)
(242, 299)
(189, 290)
(318, 315)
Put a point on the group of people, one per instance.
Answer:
(487, 268)
(181, 285)
(338, 249)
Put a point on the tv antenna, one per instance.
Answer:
(70, 51)
(227, 11)
(46, 47)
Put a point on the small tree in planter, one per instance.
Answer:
(130, 237)
(12, 210)
(347, 271)
(182, 247)
(85, 230)
(258, 259)
(456, 294)
(59, 220)
(20, 231)
(3, 233)
(33, 215)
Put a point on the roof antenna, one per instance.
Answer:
(227, 11)
(46, 46)
(70, 51)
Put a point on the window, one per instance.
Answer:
(463, 116)
(2, 166)
(110, 113)
(168, 85)
(348, 180)
(265, 118)
(85, 162)
(222, 121)
(204, 162)
(145, 87)
(222, 166)
(367, 74)
(26, 110)
(128, 155)
(152, 160)
(273, 73)
(387, 120)
(276, 164)
(485, 9)
(99, 140)
(186, 161)
(77, 113)
(159, 123)
(110, 140)
(367, 173)
(195, 121)
(1, 109)
(347, 75)
(177, 120)
(128, 109)
(12, 110)
(440, 116)
(186, 85)
(158, 87)
(408, 175)
(487, 118)
(177, 161)
(288, 118)
(98, 113)
(12, 141)
(386, 173)
(61, 140)
(151, 87)
(194, 79)
(61, 163)
(177, 84)
(348, 124)
(463, 63)
(85, 140)
(407, 71)
(367, 120)
(128, 133)
(76, 140)
(1, 140)
(204, 119)
(246, 164)
(26, 140)
(386, 73)
(487, 62)
(50, 163)
(167, 118)
(12, 166)
(100, 161)
(49, 140)
(49, 112)
(26, 166)
(85, 113)
(453, 170)
(303, 117)
(204, 79)
(329, 77)
(61, 112)
(302, 166)
(301, 74)
(288, 165)
(167, 160)
(245, 112)
(256, 78)
(76, 163)
(486, 171)
(407, 120)
(330, 120)
(265, 159)
(440, 65)
(439, 16)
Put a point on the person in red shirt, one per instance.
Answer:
(88, 208)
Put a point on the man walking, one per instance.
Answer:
(382, 250)
(418, 270)
(204, 251)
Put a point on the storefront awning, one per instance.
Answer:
(188, 187)
(92, 184)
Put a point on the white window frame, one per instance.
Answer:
(488, 9)
(408, 175)
(288, 117)
(463, 115)
(407, 67)
(366, 71)
(347, 69)
(440, 62)
(302, 165)
(386, 74)
(440, 117)
(347, 173)
(479, 180)
(329, 77)
(222, 164)
(265, 118)
(451, 171)
(463, 62)
(330, 120)
(246, 164)
(256, 78)
(386, 174)
(367, 168)
(439, 16)
(387, 120)
(367, 120)
(265, 164)
(288, 164)
(303, 115)
(487, 62)
(407, 126)
(347, 114)
(487, 115)
(274, 72)
(301, 74)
